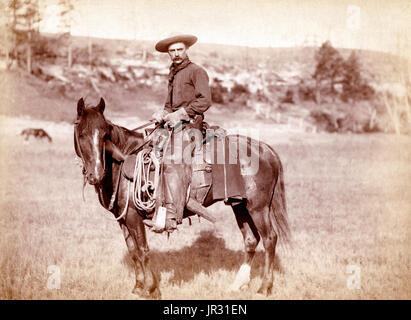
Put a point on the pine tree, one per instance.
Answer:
(24, 26)
(67, 7)
(355, 86)
(352, 77)
(329, 68)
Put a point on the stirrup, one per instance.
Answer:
(166, 220)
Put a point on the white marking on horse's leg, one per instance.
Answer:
(242, 278)
(96, 151)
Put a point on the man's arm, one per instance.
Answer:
(167, 105)
(202, 100)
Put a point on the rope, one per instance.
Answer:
(142, 172)
(126, 207)
(142, 183)
(122, 215)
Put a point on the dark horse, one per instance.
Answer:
(262, 215)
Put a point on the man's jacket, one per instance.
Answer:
(189, 88)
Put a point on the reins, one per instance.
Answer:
(144, 125)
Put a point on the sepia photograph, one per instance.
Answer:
(225, 151)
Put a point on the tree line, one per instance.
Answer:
(21, 30)
(332, 72)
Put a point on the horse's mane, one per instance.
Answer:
(126, 140)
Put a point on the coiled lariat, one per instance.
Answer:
(142, 185)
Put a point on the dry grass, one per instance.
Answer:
(348, 204)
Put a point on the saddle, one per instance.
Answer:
(212, 180)
(214, 177)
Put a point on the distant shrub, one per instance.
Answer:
(361, 92)
(288, 97)
(239, 89)
(216, 95)
(218, 91)
(306, 92)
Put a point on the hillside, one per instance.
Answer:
(262, 84)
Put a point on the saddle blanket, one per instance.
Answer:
(227, 180)
(215, 175)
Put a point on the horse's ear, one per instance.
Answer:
(101, 106)
(80, 107)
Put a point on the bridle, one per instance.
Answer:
(78, 148)
(115, 191)
(80, 154)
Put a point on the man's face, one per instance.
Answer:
(177, 52)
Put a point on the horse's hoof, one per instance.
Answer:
(139, 291)
(146, 294)
(265, 290)
(238, 288)
(156, 294)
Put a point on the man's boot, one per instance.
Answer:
(171, 218)
(166, 217)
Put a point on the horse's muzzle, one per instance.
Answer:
(93, 179)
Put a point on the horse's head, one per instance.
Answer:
(90, 133)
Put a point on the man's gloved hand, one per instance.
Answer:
(159, 115)
(175, 117)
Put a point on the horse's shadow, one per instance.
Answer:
(207, 254)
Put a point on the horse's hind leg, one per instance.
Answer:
(251, 239)
(262, 221)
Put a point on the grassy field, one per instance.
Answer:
(348, 204)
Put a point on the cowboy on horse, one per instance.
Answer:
(120, 164)
(189, 97)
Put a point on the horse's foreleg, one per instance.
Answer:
(251, 239)
(131, 246)
(269, 237)
(146, 281)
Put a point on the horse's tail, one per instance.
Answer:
(278, 208)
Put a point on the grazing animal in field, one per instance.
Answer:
(103, 146)
(36, 133)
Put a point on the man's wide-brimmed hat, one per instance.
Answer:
(187, 39)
